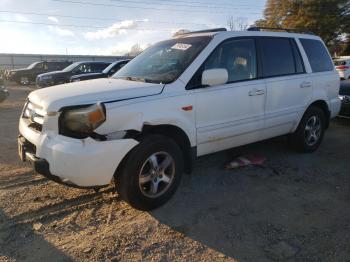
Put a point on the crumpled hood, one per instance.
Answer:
(87, 92)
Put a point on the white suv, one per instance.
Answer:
(189, 96)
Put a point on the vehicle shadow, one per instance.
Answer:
(242, 213)
(20, 242)
(65, 207)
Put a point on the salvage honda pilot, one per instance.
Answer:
(192, 95)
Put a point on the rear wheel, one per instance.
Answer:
(310, 131)
(151, 173)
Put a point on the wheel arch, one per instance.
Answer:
(322, 104)
(173, 132)
(179, 136)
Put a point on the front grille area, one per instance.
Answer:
(34, 116)
(29, 147)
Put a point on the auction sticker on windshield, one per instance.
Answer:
(180, 46)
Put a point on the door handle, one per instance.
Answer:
(256, 92)
(305, 84)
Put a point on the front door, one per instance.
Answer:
(231, 114)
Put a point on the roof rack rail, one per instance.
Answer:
(205, 31)
(288, 30)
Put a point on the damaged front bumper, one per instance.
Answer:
(75, 162)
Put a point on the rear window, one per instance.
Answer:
(278, 57)
(340, 62)
(319, 58)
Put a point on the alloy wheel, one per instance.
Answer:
(313, 130)
(157, 174)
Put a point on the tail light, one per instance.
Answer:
(342, 67)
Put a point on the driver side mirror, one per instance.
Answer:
(214, 77)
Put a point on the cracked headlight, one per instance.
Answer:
(81, 122)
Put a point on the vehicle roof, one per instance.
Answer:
(120, 61)
(229, 34)
(97, 62)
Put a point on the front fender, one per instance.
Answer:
(135, 114)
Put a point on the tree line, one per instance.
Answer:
(329, 19)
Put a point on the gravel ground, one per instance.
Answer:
(295, 208)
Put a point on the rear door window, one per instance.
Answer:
(317, 54)
(98, 67)
(279, 57)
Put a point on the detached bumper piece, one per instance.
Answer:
(41, 166)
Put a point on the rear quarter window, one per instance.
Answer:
(318, 56)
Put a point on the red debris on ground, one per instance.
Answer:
(243, 161)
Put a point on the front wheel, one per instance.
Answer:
(24, 81)
(310, 131)
(151, 173)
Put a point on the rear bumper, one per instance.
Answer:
(345, 110)
(344, 74)
(334, 105)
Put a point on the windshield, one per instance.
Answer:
(106, 70)
(31, 66)
(339, 62)
(71, 67)
(165, 61)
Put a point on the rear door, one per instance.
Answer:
(325, 78)
(231, 114)
(98, 67)
(289, 88)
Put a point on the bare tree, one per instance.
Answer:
(242, 23)
(134, 50)
(237, 24)
(231, 23)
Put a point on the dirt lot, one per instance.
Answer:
(296, 208)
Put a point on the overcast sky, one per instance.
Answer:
(108, 27)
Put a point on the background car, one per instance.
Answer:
(25, 76)
(107, 72)
(343, 67)
(3, 92)
(344, 95)
(61, 77)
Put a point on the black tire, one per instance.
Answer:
(24, 80)
(299, 139)
(128, 182)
